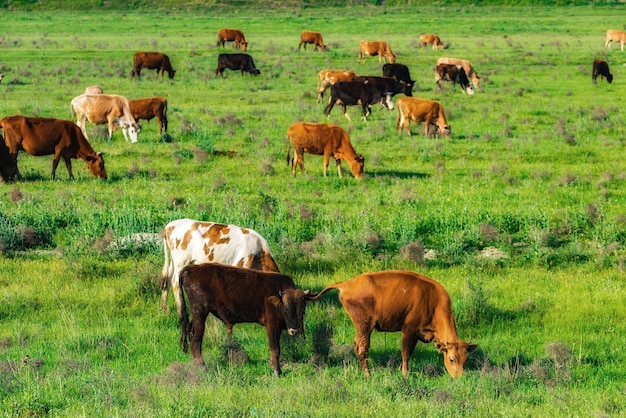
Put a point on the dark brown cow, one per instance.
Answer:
(454, 73)
(45, 136)
(467, 66)
(243, 62)
(8, 166)
(391, 301)
(314, 38)
(151, 61)
(149, 108)
(380, 48)
(358, 91)
(421, 110)
(601, 68)
(237, 295)
(232, 35)
(326, 139)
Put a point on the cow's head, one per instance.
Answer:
(609, 78)
(96, 165)
(357, 166)
(455, 355)
(133, 131)
(292, 304)
(443, 130)
(171, 73)
(244, 46)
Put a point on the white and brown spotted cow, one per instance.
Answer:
(187, 241)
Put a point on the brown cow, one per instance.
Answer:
(431, 39)
(94, 90)
(421, 110)
(613, 35)
(391, 301)
(149, 108)
(326, 139)
(45, 136)
(151, 61)
(601, 68)
(237, 295)
(314, 38)
(105, 108)
(232, 35)
(329, 77)
(8, 166)
(467, 66)
(380, 48)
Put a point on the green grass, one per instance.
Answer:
(534, 168)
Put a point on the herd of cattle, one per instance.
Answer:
(229, 271)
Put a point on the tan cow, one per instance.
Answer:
(105, 108)
(416, 305)
(421, 110)
(613, 35)
(46, 136)
(152, 61)
(322, 139)
(94, 90)
(232, 35)
(431, 39)
(315, 38)
(149, 108)
(380, 48)
(467, 66)
(329, 77)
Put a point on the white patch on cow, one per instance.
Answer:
(389, 101)
(470, 90)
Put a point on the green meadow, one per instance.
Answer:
(520, 214)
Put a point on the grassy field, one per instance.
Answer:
(521, 214)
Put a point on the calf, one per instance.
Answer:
(431, 39)
(314, 38)
(105, 108)
(350, 93)
(232, 35)
(235, 295)
(421, 110)
(400, 72)
(187, 241)
(454, 73)
(329, 77)
(149, 108)
(467, 66)
(416, 305)
(152, 61)
(243, 62)
(380, 48)
(326, 139)
(613, 35)
(601, 68)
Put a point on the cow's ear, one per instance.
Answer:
(274, 300)
(471, 347)
(90, 158)
(441, 347)
(101, 153)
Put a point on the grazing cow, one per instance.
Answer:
(187, 241)
(431, 39)
(467, 66)
(421, 110)
(615, 36)
(350, 93)
(380, 48)
(8, 166)
(391, 301)
(105, 108)
(388, 85)
(94, 90)
(151, 61)
(314, 38)
(232, 35)
(601, 68)
(235, 295)
(454, 73)
(329, 77)
(45, 136)
(326, 139)
(243, 62)
(400, 72)
(150, 107)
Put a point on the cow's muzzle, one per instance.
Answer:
(292, 331)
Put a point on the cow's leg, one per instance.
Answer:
(326, 162)
(195, 336)
(329, 107)
(273, 336)
(298, 159)
(366, 110)
(362, 346)
(409, 340)
(175, 291)
(338, 162)
(622, 44)
(68, 165)
(168, 265)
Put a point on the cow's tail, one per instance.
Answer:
(167, 265)
(316, 296)
(72, 111)
(289, 160)
(183, 320)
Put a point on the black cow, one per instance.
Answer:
(243, 62)
(454, 73)
(389, 85)
(361, 91)
(236, 295)
(400, 72)
(601, 68)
